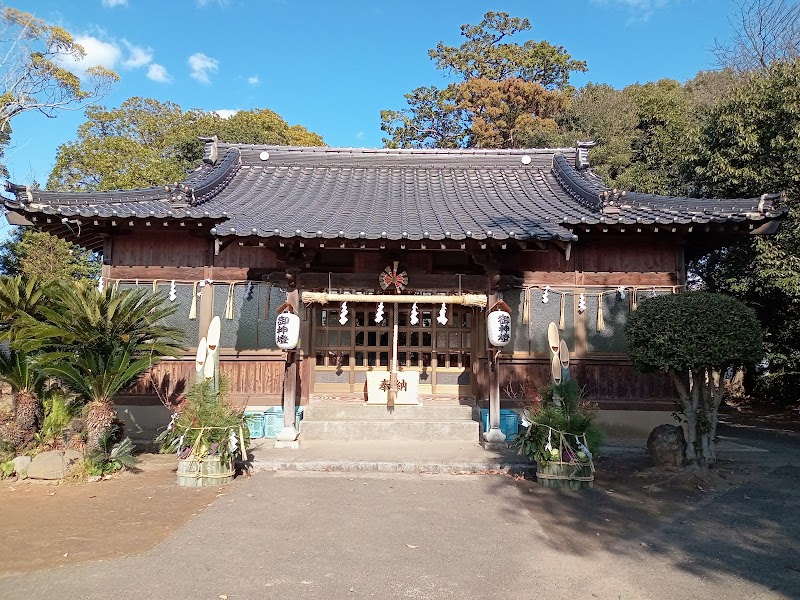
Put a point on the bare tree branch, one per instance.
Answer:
(765, 31)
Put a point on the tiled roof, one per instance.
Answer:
(392, 194)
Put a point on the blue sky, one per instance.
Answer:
(333, 65)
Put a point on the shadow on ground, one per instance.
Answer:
(739, 522)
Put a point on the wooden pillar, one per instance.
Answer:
(494, 438)
(290, 382)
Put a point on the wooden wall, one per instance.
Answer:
(254, 380)
(612, 384)
(257, 378)
(183, 255)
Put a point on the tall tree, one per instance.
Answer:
(32, 70)
(510, 113)
(506, 95)
(749, 145)
(764, 31)
(35, 254)
(486, 54)
(145, 142)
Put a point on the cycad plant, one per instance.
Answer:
(27, 383)
(81, 317)
(19, 298)
(98, 343)
(96, 377)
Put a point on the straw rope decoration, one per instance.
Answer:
(601, 324)
(155, 286)
(562, 322)
(193, 307)
(229, 302)
(634, 300)
(526, 305)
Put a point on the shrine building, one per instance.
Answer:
(393, 260)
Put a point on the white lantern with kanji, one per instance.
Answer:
(499, 328)
(287, 331)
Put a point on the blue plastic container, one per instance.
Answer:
(509, 422)
(255, 423)
(273, 420)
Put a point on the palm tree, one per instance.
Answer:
(26, 384)
(96, 377)
(19, 298)
(98, 343)
(79, 317)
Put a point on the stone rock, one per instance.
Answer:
(666, 446)
(55, 464)
(21, 464)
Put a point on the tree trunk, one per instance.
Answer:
(28, 411)
(99, 419)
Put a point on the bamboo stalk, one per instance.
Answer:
(465, 299)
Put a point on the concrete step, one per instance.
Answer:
(361, 412)
(406, 429)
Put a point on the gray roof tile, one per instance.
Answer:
(392, 194)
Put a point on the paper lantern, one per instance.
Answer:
(287, 331)
(499, 328)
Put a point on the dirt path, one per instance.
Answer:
(44, 525)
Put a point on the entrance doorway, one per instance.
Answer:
(442, 354)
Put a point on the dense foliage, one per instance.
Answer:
(145, 142)
(507, 95)
(559, 426)
(69, 349)
(695, 337)
(206, 424)
(35, 254)
(33, 73)
(692, 332)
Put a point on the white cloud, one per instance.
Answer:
(137, 56)
(204, 3)
(360, 135)
(201, 66)
(113, 3)
(98, 53)
(156, 72)
(641, 10)
(253, 80)
(226, 113)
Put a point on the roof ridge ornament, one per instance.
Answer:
(211, 149)
(582, 154)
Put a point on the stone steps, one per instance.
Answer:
(451, 430)
(360, 412)
(350, 422)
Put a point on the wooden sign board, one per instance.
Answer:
(378, 387)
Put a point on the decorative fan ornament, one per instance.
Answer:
(582, 304)
(173, 294)
(546, 294)
(343, 314)
(621, 292)
(391, 278)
